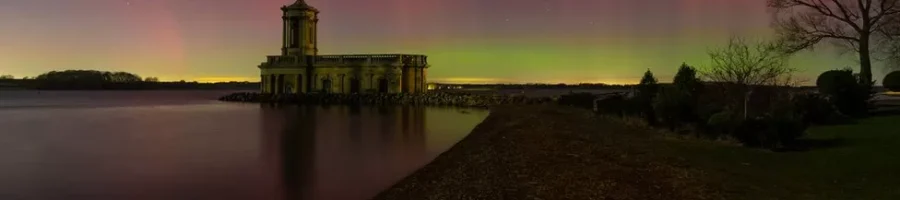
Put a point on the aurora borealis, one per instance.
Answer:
(551, 41)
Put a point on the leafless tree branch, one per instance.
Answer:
(748, 64)
(864, 26)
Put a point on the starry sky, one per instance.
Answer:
(467, 41)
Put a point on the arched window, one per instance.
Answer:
(355, 85)
(382, 85)
(326, 85)
(295, 33)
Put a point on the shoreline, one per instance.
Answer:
(424, 99)
(550, 152)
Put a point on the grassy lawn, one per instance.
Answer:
(532, 152)
(856, 161)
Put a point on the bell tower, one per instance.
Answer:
(300, 21)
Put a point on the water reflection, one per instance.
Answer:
(129, 145)
(346, 152)
(292, 149)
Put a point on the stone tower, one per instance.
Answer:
(300, 68)
(300, 21)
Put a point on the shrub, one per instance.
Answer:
(892, 81)
(833, 81)
(788, 129)
(615, 104)
(769, 132)
(674, 107)
(753, 132)
(677, 105)
(845, 91)
(721, 124)
(581, 100)
(710, 101)
(777, 130)
(815, 109)
(635, 106)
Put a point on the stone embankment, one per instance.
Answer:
(430, 99)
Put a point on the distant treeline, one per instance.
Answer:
(532, 86)
(550, 86)
(101, 80)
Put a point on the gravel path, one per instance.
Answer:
(548, 152)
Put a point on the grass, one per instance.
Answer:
(531, 152)
(855, 161)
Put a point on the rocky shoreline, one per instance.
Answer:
(552, 152)
(428, 99)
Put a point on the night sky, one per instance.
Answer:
(571, 41)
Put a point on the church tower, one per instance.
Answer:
(300, 21)
(300, 69)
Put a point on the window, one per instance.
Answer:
(295, 33)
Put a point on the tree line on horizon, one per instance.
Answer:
(104, 80)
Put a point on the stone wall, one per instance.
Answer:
(341, 79)
(369, 77)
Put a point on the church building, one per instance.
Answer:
(299, 68)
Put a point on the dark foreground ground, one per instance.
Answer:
(541, 152)
(548, 152)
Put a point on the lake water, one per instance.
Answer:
(185, 145)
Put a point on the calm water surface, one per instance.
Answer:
(183, 145)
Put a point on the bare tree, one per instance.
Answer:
(745, 65)
(859, 25)
(892, 52)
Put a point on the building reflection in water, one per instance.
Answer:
(343, 152)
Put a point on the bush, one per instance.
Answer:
(789, 130)
(779, 127)
(753, 132)
(581, 100)
(614, 104)
(815, 109)
(618, 105)
(675, 108)
(845, 91)
(892, 81)
(833, 81)
(721, 124)
(770, 132)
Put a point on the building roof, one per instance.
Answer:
(300, 5)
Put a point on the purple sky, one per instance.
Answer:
(611, 41)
